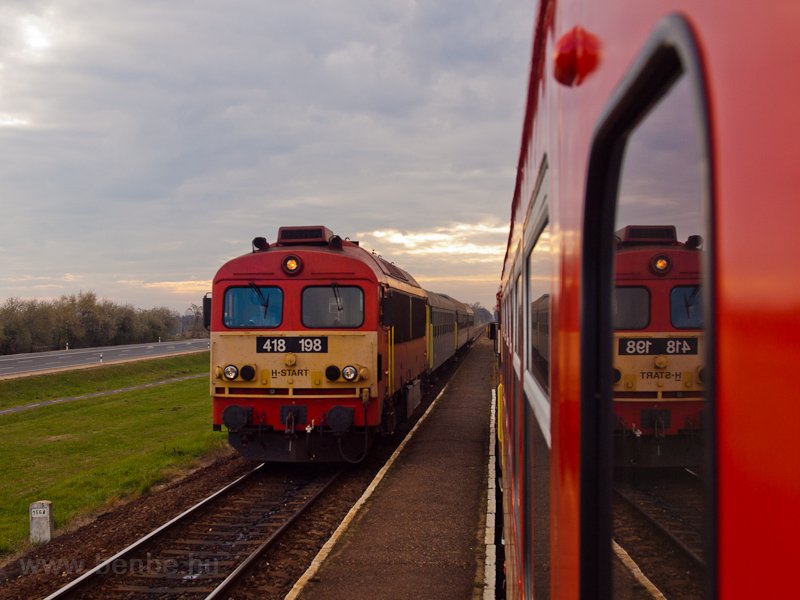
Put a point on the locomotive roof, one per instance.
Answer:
(640, 236)
(264, 260)
(647, 234)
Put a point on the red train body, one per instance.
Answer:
(665, 113)
(317, 345)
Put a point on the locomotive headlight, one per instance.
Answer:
(660, 264)
(230, 372)
(292, 265)
(349, 373)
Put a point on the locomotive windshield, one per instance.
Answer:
(631, 306)
(333, 306)
(685, 307)
(253, 306)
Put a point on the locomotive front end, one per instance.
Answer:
(294, 396)
(294, 351)
(658, 353)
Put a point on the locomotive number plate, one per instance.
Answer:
(628, 346)
(291, 344)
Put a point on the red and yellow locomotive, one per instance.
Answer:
(317, 345)
(658, 348)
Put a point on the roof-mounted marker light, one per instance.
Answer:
(660, 264)
(292, 265)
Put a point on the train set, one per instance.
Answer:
(648, 305)
(317, 345)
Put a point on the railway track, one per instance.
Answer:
(205, 550)
(659, 520)
(673, 506)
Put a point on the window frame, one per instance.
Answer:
(536, 221)
(670, 53)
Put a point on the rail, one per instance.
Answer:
(219, 538)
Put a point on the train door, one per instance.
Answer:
(647, 337)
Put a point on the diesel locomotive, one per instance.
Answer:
(658, 348)
(317, 346)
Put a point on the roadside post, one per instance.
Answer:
(41, 521)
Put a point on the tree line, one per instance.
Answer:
(83, 321)
(481, 315)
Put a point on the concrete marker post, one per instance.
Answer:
(41, 521)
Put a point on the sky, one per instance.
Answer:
(663, 175)
(144, 143)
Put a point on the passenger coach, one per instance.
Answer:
(634, 365)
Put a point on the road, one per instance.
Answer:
(20, 364)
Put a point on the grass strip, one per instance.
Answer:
(87, 454)
(35, 388)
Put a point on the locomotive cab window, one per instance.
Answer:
(645, 442)
(685, 307)
(631, 307)
(253, 306)
(333, 306)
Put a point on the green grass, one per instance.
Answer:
(27, 390)
(87, 454)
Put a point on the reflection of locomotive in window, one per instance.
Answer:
(658, 348)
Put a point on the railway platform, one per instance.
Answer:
(421, 533)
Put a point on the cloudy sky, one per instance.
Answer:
(143, 143)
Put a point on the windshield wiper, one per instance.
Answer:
(264, 300)
(336, 295)
(689, 301)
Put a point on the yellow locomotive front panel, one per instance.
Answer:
(658, 399)
(294, 363)
(657, 367)
(295, 395)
